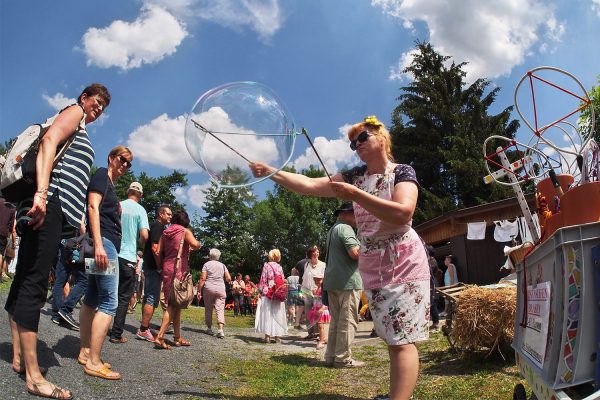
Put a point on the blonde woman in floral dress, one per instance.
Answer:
(392, 261)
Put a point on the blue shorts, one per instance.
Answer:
(294, 298)
(152, 283)
(102, 290)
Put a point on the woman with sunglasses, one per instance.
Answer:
(57, 208)
(392, 261)
(100, 301)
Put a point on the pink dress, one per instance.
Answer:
(171, 239)
(319, 314)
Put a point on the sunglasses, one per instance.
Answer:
(125, 162)
(361, 138)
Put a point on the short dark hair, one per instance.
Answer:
(96, 89)
(162, 208)
(311, 250)
(180, 217)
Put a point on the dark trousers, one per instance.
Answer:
(238, 304)
(126, 284)
(248, 305)
(433, 309)
(61, 277)
(37, 255)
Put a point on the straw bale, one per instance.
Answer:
(484, 319)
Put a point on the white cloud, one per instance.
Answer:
(154, 35)
(58, 101)
(335, 153)
(396, 71)
(265, 17)
(492, 37)
(596, 7)
(196, 195)
(161, 142)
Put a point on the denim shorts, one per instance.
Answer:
(102, 290)
(152, 282)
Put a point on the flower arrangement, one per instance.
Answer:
(372, 120)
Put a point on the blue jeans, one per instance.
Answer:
(238, 301)
(61, 277)
(102, 290)
(152, 282)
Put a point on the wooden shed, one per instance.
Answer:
(477, 261)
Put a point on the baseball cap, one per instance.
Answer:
(137, 187)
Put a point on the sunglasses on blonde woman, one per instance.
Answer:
(126, 163)
(361, 138)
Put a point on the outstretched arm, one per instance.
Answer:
(297, 183)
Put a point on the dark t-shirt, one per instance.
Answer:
(300, 267)
(110, 210)
(156, 230)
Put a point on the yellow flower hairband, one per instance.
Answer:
(372, 120)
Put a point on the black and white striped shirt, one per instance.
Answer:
(71, 177)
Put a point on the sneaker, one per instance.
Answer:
(56, 319)
(68, 318)
(220, 334)
(209, 331)
(349, 364)
(146, 335)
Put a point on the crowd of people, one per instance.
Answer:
(371, 248)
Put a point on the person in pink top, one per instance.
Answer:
(212, 280)
(392, 261)
(172, 239)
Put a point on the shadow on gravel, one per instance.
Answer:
(312, 396)
(46, 356)
(68, 346)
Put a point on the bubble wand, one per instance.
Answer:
(203, 129)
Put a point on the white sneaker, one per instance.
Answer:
(209, 332)
(220, 334)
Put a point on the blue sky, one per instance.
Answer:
(332, 62)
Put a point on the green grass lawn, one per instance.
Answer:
(443, 375)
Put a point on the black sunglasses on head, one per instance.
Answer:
(126, 163)
(361, 138)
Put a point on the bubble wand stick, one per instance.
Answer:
(316, 153)
(221, 140)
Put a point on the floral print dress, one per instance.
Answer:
(392, 262)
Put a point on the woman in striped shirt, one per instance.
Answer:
(58, 202)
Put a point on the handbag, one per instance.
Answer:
(182, 292)
(279, 289)
(77, 249)
(18, 171)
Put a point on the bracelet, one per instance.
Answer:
(40, 195)
(42, 191)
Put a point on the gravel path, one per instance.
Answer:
(146, 373)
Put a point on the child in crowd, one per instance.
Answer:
(294, 298)
(320, 313)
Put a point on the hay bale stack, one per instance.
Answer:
(484, 318)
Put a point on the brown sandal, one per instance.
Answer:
(179, 341)
(57, 392)
(159, 343)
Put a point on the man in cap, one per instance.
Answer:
(343, 285)
(134, 227)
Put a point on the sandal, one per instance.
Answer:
(104, 373)
(179, 341)
(83, 361)
(159, 343)
(57, 392)
(21, 371)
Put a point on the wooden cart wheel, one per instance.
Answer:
(519, 392)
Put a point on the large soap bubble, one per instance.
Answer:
(236, 123)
